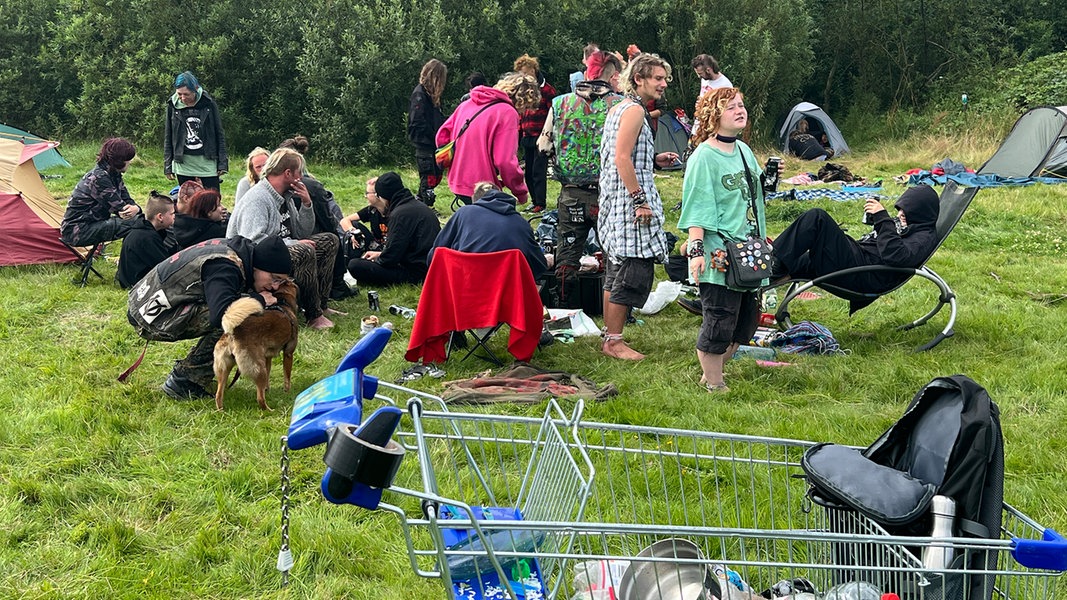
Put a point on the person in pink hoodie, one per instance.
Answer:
(486, 134)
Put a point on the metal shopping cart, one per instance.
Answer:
(501, 506)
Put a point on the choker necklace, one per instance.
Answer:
(725, 138)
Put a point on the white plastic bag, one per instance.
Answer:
(581, 324)
(665, 293)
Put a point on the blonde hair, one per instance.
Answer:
(522, 89)
(282, 160)
(432, 77)
(481, 189)
(253, 177)
(641, 66)
(709, 111)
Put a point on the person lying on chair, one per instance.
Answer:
(815, 245)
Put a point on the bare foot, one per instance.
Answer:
(330, 311)
(619, 349)
(320, 322)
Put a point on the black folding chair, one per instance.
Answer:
(954, 202)
(85, 261)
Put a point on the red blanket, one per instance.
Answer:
(468, 291)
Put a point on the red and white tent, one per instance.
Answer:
(29, 215)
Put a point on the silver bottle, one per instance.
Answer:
(937, 557)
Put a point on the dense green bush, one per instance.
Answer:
(341, 73)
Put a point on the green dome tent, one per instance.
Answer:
(44, 160)
(1036, 146)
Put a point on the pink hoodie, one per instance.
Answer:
(488, 150)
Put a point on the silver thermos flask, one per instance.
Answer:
(937, 557)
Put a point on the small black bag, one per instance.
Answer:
(749, 262)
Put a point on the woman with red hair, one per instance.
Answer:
(100, 209)
(202, 221)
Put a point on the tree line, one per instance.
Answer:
(342, 72)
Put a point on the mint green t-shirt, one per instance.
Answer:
(715, 197)
(195, 165)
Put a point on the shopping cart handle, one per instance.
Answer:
(366, 350)
(1050, 552)
(363, 460)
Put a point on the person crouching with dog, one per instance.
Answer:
(185, 297)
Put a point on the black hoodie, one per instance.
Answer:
(910, 246)
(413, 226)
(490, 225)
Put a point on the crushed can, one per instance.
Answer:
(373, 302)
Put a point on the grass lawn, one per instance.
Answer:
(112, 490)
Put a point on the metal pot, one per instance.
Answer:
(667, 580)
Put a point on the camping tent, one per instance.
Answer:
(1036, 146)
(49, 158)
(671, 136)
(818, 122)
(29, 216)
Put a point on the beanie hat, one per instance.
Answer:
(187, 80)
(388, 186)
(272, 256)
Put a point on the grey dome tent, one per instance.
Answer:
(818, 122)
(1036, 146)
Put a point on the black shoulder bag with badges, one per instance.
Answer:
(748, 262)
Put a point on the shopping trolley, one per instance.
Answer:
(505, 506)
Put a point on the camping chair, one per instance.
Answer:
(954, 202)
(84, 259)
(476, 293)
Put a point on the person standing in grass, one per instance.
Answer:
(424, 119)
(631, 211)
(194, 145)
(722, 202)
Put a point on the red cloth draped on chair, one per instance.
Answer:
(469, 291)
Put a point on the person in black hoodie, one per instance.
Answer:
(815, 244)
(491, 224)
(424, 119)
(413, 226)
(203, 219)
(147, 244)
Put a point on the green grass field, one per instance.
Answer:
(112, 490)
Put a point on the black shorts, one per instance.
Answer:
(630, 283)
(729, 317)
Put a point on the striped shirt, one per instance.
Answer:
(619, 236)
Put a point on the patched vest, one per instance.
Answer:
(168, 304)
(576, 129)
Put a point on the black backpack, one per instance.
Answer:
(948, 442)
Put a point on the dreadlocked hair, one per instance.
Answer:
(709, 111)
(433, 76)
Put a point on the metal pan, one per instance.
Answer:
(668, 580)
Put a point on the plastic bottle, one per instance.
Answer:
(937, 557)
(770, 300)
(853, 590)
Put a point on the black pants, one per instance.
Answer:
(90, 234)
(209, 183)
(429, 175)
(198, 365)
(578, 210)
(370, 273)
(815, 245)
(535, 171)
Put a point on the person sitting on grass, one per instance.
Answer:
(413, 227)
(203, 219)
(146, 245)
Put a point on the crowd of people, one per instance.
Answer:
(185, 257)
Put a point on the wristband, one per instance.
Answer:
(695, 249)
(638, 197)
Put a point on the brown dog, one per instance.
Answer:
(252, 337)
